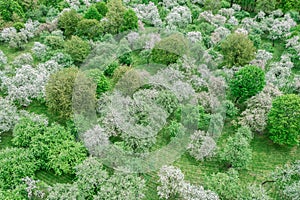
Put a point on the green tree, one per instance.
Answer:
(237, 151)
(115, 16)
(102, 8)
(92, 13)
(237, 49)
(287, 5)
(265, 5)
(169, 49)
(25, 130)
(89, 29)
(77, 48)
(247, 82)
(61, 94)
(15, 164)
(130, 20)
(10, 7)
(68, 22)
(284, 120)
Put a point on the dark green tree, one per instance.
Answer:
(247, 82)
(237, 49)
(68, 22)
(92, 13)
(284, 120)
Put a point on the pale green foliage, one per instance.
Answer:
(237, 151)
(77, 48)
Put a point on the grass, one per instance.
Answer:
(11, 53)
(266, 157)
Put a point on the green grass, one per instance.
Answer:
(266, 157)
(11, 53)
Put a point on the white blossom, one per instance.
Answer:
(261, 58)
(227, 12)
(194, 36)
(236, 7)
(39, 50)
(233, 21)
(23, 59)
(201, 145)
(219, 34)
(148, 14)
(179, 16)
(8, 114)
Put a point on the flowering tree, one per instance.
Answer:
(201, 145)
(9, 115)
(172, 186)
(179, 16)
(258, 106)
(23, 59)
(148, 14)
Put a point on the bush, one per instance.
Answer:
(77, 48)
(169, 49)
(92, 13)
(68, 22)
(60, 88)
(237, 49)
(284, 120)
(247, 82)
(89, 29)
(8, 114)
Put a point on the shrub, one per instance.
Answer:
(92, 13)
(68, 22)
(237, 49)
(247, 82)
(77, 48)
(110, 69)
(169, 49)
(284, 120)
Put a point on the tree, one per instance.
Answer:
(15, 164)
(90, 176)
(77, 48)
(61, 96)
(115, 16)
(130, 21)
(237, 151)
(247, 82)
(92, 13)
(10, 7)
(89, 29)
(8, 114)
(102, 8)
(25, 130)
(284, 120)
(266, 6)
(201, 145)
(286, 181)
(237, 49)
(169, 49)
(68, 22)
